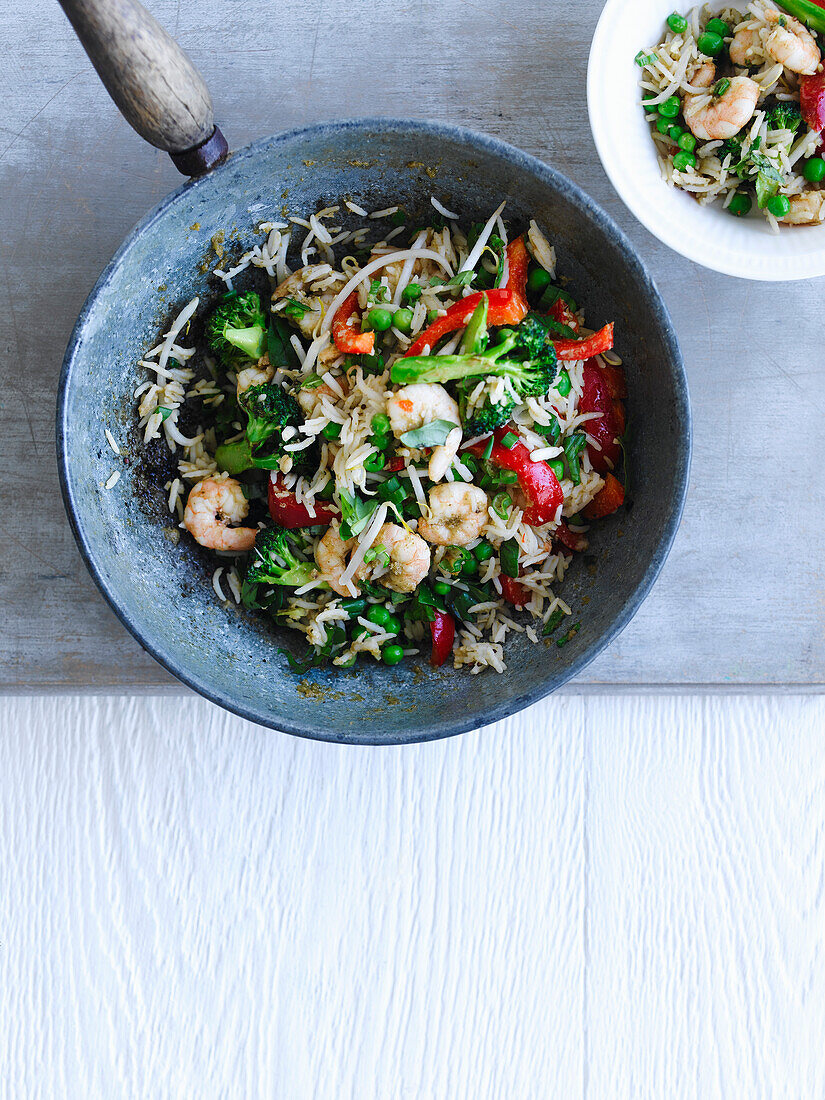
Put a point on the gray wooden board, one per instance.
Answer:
(741, 601)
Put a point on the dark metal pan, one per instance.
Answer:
(159, 588)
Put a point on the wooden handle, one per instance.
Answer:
(154, 84)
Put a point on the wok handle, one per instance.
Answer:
(156, 87)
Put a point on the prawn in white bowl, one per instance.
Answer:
(721, 150)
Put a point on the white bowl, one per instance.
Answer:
(744, 247)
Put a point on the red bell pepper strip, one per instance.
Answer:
(812, 100)
(608, 499)
(598, 396)
(442, 629)
(517, 263)
(596, 344)
(536, 480)
(286, 511)
(346, 338)
(562, 314)
(513, 592)
(504, 307)
(569, 540)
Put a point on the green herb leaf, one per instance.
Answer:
(295, 309)
(164, 412)
(281, 352)
(553, 623)
(355, 513)
(508, 557)
(429, 435)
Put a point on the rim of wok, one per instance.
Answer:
(449, 726)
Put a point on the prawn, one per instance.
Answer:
(331, 554)
(711, 118)
(409, 558)
(298, 285)
(789, 43)
(458, 513)
(806, 209)
(258, 375)
(414, 406)
(212, 505)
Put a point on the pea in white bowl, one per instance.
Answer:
(744, 247)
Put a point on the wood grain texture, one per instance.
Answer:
(195, 906)
(156, 87)
(742, 598)
(595, 900)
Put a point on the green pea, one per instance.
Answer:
(740, 205)
(814, 170)
(381, 441)
(380, 424)
(441, 588)
(563, 383)
(360, 633)
(379, 615)
(483, 552)
(682, 161)
(717, 26)
(670, 108)
(687, 142)
(779, 205)
(538, 280)
(411, 292)
(331, 431)
(663, 125)
(403, 319)
(375, 462)
(392, 654)
(557, 466)
(393, 625)
(380, 319)
(469, 567)
(652, 108)
(675, 132)
(710, 43)
(354, 607)
(677, 23)
(432, 315)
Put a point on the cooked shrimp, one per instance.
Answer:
(711, 118)
(258, 375)
(414, 406)
(212, 505)
(746, 48)
(806, 209)
(309, 397)
(703, 75)
(409, 558)
(792, 44)
(298, 285)
(458, 513)
(331, 555)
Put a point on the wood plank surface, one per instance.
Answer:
(742, 598)
(598, 899)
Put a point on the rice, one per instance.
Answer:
(761, 157)
(185, 388)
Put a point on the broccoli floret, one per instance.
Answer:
(238, 324)
(785, 116)
(273, 562)
(488, 417)
(525, 355)
(269, 409)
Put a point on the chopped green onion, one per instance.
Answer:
(553, 622)
(509, 440)
(501, 505)
(571, 633)
(721, 86)
(488, 450)
(643, 58)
